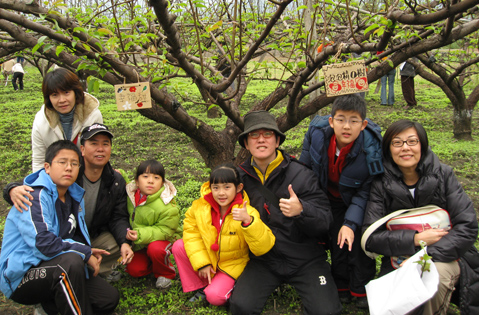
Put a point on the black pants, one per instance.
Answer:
(351, 270)
(313, 282)
(408, 92)
(61, 286)
(17, 76)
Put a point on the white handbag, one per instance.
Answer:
(419, 219)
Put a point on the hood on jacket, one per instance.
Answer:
(167, 192)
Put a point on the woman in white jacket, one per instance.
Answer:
(67, 110)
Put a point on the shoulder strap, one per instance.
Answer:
(373, 227)
(372, 147)
(268, 194)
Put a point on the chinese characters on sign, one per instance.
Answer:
(345, 78)
(133, 96)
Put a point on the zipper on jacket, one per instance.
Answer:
(133, 214)
(219, 249)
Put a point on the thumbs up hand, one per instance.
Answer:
(241, 214)
(290, 207)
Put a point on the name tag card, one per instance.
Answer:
(133, 96)
(345, 78)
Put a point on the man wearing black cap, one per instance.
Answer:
(290, 202)
(106, 213)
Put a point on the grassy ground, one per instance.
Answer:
(137, 139)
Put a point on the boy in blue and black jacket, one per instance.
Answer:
(46, 254)
(344, 150)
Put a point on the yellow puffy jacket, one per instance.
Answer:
(234, 240)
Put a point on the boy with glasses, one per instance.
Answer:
(344, 151)
(46, 251)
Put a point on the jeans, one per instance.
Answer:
(387, 81)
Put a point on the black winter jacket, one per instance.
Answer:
(296, 237)
(111, 212)
(466, 294)
(437, 185)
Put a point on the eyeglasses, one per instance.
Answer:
(64, 164)
(399, 143)
(352, 122)
(256, 134)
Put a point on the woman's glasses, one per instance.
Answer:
(399, 143)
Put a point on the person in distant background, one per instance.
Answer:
(387, 85)
(18, 74)
(21, 60)
(408, 72)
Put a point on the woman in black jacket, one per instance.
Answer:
(414, 177)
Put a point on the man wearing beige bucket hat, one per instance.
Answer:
(290, 202)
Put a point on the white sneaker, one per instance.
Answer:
(163, 283)
(39, 310)
(114, 276)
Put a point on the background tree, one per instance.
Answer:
(454, 72)
(127, 41)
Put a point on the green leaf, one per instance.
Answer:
(37, 46)
(370, 28)
(379, 32)
(42, 39)
(47, 47)
(96, 86)
(82, 66)
(104, 31)
(214, 26)
(79, 29)
(87, 47)
(59, 50)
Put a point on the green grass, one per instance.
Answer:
(137, 139)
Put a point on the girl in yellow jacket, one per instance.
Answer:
(219, 230)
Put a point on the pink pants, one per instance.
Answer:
(153, 259)
(217, 293)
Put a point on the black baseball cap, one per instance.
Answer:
(94, 129)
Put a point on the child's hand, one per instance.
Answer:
(131, 235)
(241, 214)
(346, 236)
(206, 272)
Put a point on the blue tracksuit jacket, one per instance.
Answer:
(33, 236)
